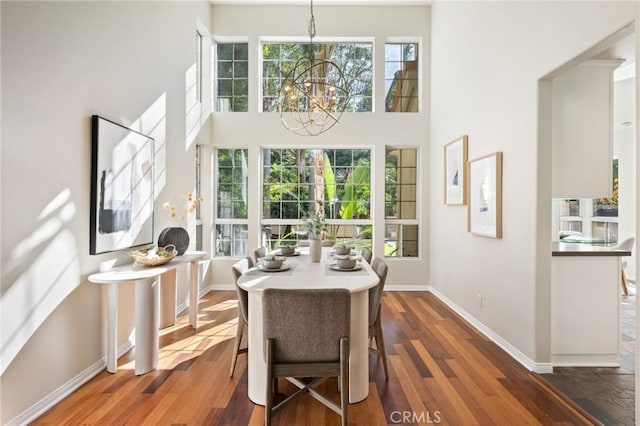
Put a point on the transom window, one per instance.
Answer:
(355, 59)
(232, 70)
(401, 77)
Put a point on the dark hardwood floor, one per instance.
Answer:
(442, 371)
(606, 393)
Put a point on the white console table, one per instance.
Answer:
(147, 306)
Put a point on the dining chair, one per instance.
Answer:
(375, 321)
(366, 254)
(306, 335)
(258, 253)
(625, 245)
(238, 268)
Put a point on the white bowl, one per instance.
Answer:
(272, 262)
(342, 249)
(346, 263)
(287, 249)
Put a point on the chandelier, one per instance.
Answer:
(314, 93)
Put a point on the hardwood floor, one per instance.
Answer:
(607, 393)
(441, 371)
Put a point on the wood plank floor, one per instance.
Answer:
(441, 372)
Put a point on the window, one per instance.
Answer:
(232, 70)
(401, 77)
(335, 182)
(355, 59)
(401, 224)
(199, 67)
(231, 200)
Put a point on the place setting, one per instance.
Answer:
(287, 251)
(273, 263)
(345, 263)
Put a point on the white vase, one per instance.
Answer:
(315, 250)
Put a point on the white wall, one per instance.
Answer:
(487, 59)
(624, 143)
(131, 62)
(375, 130)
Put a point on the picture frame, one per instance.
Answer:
(455, 171)
(121, 187)
(485, 196)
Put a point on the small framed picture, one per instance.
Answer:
(455, 172)
(485, 196)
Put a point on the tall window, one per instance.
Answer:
(198, 66)
(355, 59)
(232, 70)
(401, 77)
(231, 200)
(333, 182)
(401, 215)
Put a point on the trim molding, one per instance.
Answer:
(529, 364)
(40, 407)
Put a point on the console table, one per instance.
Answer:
(147, 306)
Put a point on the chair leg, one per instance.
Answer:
(268, 404)
(344, 380)
(624, 283)
(382, 352)
(236, 345)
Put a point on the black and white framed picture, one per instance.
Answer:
(121, 187)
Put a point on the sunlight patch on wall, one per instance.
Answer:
(153, 122)
(42, 271)
(194, 117)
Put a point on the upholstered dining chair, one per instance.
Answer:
(375, 321)
(306, 334)
(366, 254)
(238, 268)
(625, 245)
(258, 253)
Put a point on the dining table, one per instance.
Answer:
(299, 272)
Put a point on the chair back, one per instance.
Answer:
(306, 325)
(627, 244)
(366, 254)
(239, 268)
(258, 253)
(375, 293)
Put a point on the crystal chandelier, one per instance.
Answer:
(314, 93)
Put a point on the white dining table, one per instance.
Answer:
(305, 274)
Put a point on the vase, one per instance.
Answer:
(177, 236)
(315, 250)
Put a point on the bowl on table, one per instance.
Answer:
(346, 262)
(287, 250)
(272, 261)
(341, 250)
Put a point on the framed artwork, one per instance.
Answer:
(121, 187)
(455, 171)
(485, 196)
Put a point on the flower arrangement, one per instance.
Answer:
(190, 205)
(315, 224)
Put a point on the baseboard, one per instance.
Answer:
(185, 305)
(525, 361)
(41, 407)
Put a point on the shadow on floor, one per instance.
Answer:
(608, 394)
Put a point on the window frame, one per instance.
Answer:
(399, 222)
(420, 52)
(316, 40)
(214, 71)
(216, 201)
(330, 222)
